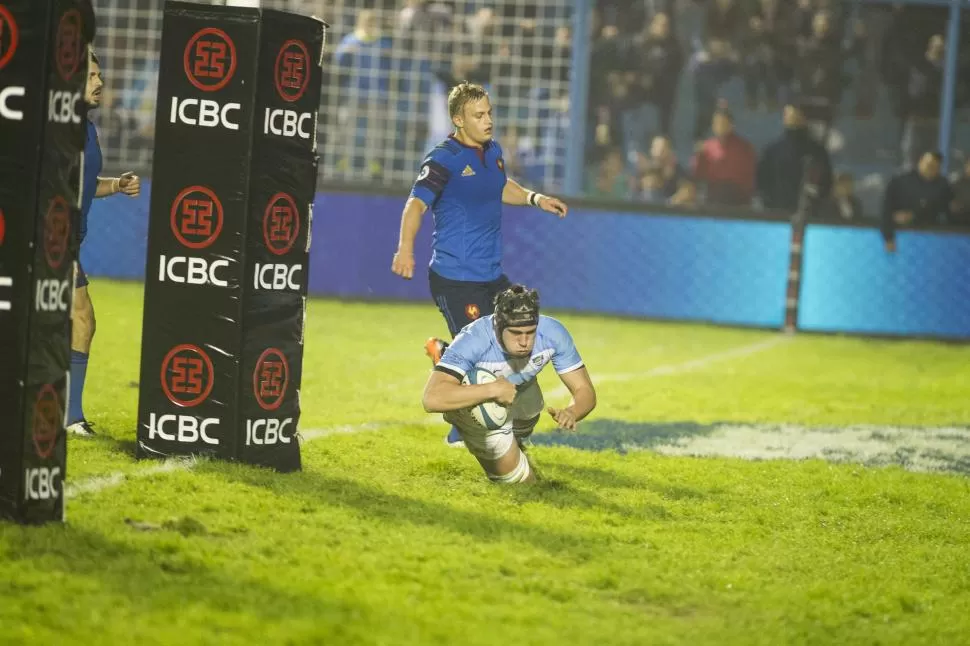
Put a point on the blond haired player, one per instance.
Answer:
(463, 181)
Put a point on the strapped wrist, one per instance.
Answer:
(533, 198)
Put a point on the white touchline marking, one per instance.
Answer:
(917, 449)
(345, 429)
(97, 484)
(687, 366)
(926, 449)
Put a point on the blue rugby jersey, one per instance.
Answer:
(478, 347)
(463, 188)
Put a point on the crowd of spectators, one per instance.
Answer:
(829, 106)
(857, 88)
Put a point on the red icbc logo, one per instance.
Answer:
(67, 50)
(281, 224)
(196, 217)
(292, 72)
(9, 36)
(210, 59)
(47, 421)
(196, 221)
(187, 376)
(270, 379)
(3, 227)
(57, 229)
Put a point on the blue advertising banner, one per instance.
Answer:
(851, 284)
(720, 270)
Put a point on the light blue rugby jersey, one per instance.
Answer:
(476, 346)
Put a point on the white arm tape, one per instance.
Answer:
(533, 198)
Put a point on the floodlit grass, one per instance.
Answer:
(389, 537)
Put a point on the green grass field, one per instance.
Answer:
(664, 520)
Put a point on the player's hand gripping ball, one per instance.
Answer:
(490, 415)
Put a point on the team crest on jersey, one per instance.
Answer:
(472, 311)
(501, 164)
(468, 172)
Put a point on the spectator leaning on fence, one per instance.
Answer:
(919, 196)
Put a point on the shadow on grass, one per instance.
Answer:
(621, 436)
(125, 446)
(597, 476)
(400, 509)
(150, 575)
(555, 491)
(605, 478)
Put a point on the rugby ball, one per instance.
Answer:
(490, 415)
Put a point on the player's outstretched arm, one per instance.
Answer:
(128, 183)
(580, 386)
(514, 194)
(403, 262)
(444, 393)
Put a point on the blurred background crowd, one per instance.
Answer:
(704, 104)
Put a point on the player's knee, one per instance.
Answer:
(83, 317)
(86, 316)
(521, 473)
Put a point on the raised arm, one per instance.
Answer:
(515, 194)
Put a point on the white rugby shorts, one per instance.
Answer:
(492, 445)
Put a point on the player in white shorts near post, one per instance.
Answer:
(515, 343)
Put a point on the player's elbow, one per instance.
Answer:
(431, 402)
(585, 398)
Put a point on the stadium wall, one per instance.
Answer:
(667, 266)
